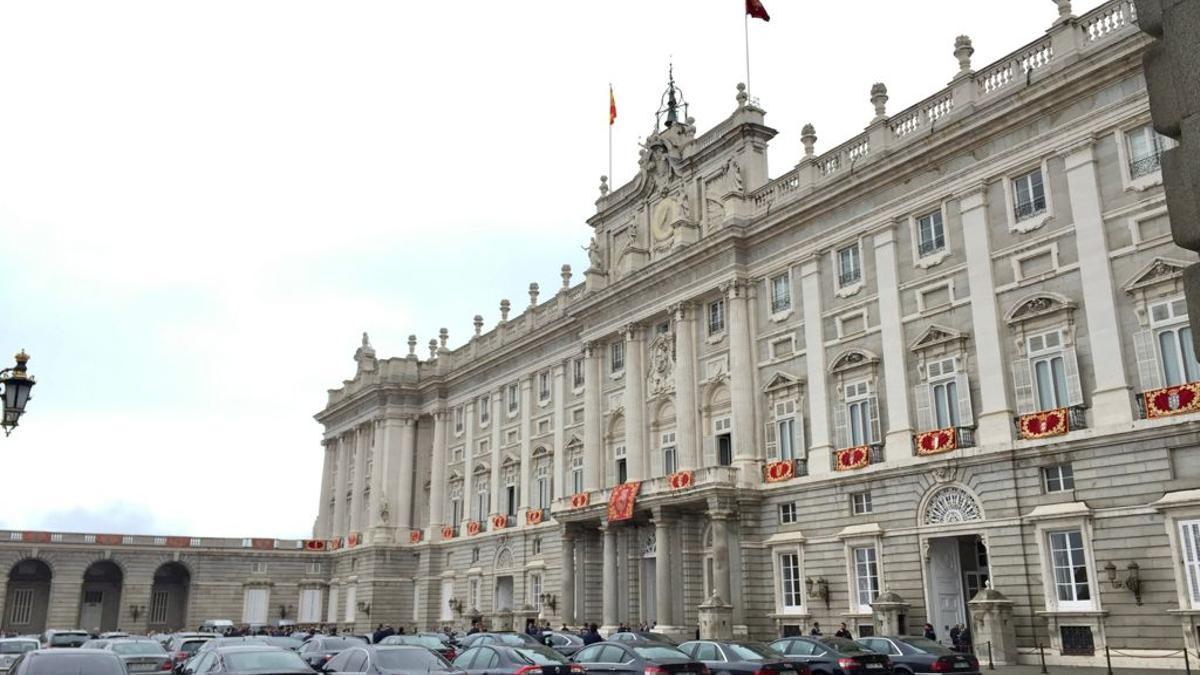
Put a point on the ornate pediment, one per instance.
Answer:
(540, 451)
(510, 459)
(482, 467)
(936, 335)
(661, 379)
(1040, 304)
(853, 358)
(781, 380)
(1157, 271)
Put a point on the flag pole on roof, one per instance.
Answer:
(754, 9)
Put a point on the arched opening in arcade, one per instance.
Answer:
(28, 597)
(169, 597)
(100, 597)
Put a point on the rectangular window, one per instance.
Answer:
(310, 606)
(577, 373)
(716, 317)
(931, 233)
(485, 409)
(668, 450)
(1049, 370)
(943, 391)
(544, 385)
(542, 488)
(1145, 151)
(258, 568)
(483, 500)
(859, 414)
(1070, 570)
(1189, 542)
(866, 576)
(535, 591)
(158, 607)
(513, 395)
(459, 416)
(1029, 195)
(791, 592)
(1173, 335)
(456, 512)
(577, 475)
(787, 438)
(511, 499)
(254, 605)
(781, 293)
(622, 471)
(860, 503)
(849, 266)
(787, 513)
(482, 447)
(616, 356)
(1058, 478)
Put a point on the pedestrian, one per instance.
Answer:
(816, 629)
(844, 632)
(964, 639)
(474, 628)
(591, 634)
(929, 634)
(955, 634)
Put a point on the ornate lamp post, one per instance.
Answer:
(17, 384)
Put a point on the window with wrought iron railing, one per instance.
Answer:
(1029, 195)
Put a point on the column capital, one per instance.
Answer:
(735, 289)
(632, 331)
(588, 349)
(681, 311)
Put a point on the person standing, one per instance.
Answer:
(816, 629)
(929, 634)
(844, 632)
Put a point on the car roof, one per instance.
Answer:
(18, 639)
(263, 647)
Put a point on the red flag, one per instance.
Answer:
(612, 106)
(755, 9)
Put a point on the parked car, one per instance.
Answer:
(564, 643)
(388, 659)
(221, 626)
(636, 635)
(636, 658)
(731, 657)
(11, 648)
(96, 643)
(141, 655)
(912, 654)
(182, 646)
(90, 661)
(53, 639)
(430, 642)
(317, 651)
(833, 656)
(216, 643)
(288, 643)
(498, 638)
(498, 659)
(247, 659)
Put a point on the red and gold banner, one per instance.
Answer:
(315, 545)
(580, 500)
(621, 501)
(534, 516)
(499, 522)
(936, 441)
(1177, 400)
(853, 458)
(109, 539)
(473, 527)
(36, 537)
(780, 471)
(179, 542)
(335, 543)
(264, 544)
(414, 537)
(448, 532)
(681, 480)
(354, 539)
(1043, 424)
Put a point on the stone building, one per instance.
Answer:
(937, 373)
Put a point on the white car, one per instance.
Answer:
(11, 648)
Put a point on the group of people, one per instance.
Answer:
(842, 632)
(960, 636)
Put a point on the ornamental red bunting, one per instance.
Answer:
(473, 527)
(1043, 424)
(1177, 400)
(36, 537)
(936, 441)
(414, 537)
(263, 544)
(499, 522)
(580, 500)
(179, 542)
(621, 501)
(780, 471)
(354, 539)
(448, 532)
(681, 480)
(314, 545)
(534, 516)
(853, 458)
(109, 539)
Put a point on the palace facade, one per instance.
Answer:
(940, 372)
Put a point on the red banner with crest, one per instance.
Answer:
(1177, 400)
(681, 480)
(621, 501)
(780, 471)
(853, 458)
(1045, 423)
(936, 441)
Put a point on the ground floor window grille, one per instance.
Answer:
(21, 612)
(158, 607)
(1077, 641)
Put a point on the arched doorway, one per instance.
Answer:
(169, 597)
(955, 552)
(100, 597)
(28, 597)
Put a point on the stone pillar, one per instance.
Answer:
(687, 437)
(338, 527)
(716, 619)
(403, 498)
(468, 464)
(557, 486)
(741, 380)
(609, 608)
(663, 572)
(991, 613)
(497, 400)
(719, 516)
(820, 446)
(437, 476)
(362, 445)
(324, 510)
(635, 404)
(382, 462)
(995, 416)
(526, 389)
(568, 577)
(593, 423)
(898, 441)
(1111, 403)
(887, 609)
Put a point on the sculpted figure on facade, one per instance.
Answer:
(595, 255)
(662, 365)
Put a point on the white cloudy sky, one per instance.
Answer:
(203, 204)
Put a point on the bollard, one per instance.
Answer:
(1187, 664)
(1108, 660)
(991, 666)
(1042, 656)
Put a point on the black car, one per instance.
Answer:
(637, 658)
(833, 656)
(217, 643)
(289, 643)
(911, 654)
(497, 659)
(319, 650)
(247, 659)
(388, 660)
(742, 658)
(642, 635)
(567, 644)
(426, 640)
(90, 661)
(509, 638)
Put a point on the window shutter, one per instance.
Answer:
(1071, 366)
(924, 407)
(840, 434)
(1023, 386)
(710, 450)
(1145, 350)
(966, 415)
(875, 435)
(1190, 544)
(656, 462)
(769, 440)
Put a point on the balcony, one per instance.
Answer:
(931, 246)
(1029, 209)
(937, 441)
(857, 457)
(1144, 166)
(784, 469)
(1048, 423)
(1178, 399)
(849, 277)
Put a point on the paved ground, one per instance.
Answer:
(1072, 670)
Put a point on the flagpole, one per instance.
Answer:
(611, 180)
(746, 17)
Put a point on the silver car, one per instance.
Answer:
(141, 655)
(11, 648)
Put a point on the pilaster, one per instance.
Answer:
(468, 464)
(609, 590)
(593, 432)
(497, 400)
(324, 509)
(526, 389)
(899, 429)
(820, 446)
(437, 476)
(362, 445)
(741, 379)
(635, 404)
(687, 436)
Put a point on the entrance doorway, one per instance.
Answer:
(957, 570)
(169, 597)
(504, 594)
(28, 597)
(649, 579)
(100, 597)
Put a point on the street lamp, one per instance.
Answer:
(17, 384)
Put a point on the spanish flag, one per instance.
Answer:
(755, 10)
(612, 106)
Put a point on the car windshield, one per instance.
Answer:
(62, 639)
(749, 651)
(845, 646)
(410, 659)
(264, 661)
(91, 663)
(540, 656)
(928, 646)
(512, 639)
(338, 644)
(190, 646)
(285, 642)
(146, 647)
(17, 646)
(657, 652)
(427, 641)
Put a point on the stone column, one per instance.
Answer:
(338, 527)
(437, 476)
(995, 416)
(741, 379)
(526, 389)
(609, 609)
(687, 437)
(324, 511)
(898, 442)
(593, 421)
(468, 463)
(381, 469)
(405, 488)
(820, 446)
(568, 576)
(719, 516)
(635, 404)
(1110, 400)
(362, 445)
(497, 454)
(663, 571)
(557, 487)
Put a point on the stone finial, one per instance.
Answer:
(963, 51)
(433, 345)
(809, 139)
(412, 345)
(478, 325)
(533, 294)
(444, 336)
(603, 186)
(879, 99)
(504, 307)
(566, 276)
(1064, 9)
(742, 96)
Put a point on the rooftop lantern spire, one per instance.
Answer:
(672, 99)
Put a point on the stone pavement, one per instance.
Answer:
(1075, 670)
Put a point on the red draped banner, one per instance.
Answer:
(621, 501)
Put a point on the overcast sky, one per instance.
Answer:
(204, 204)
